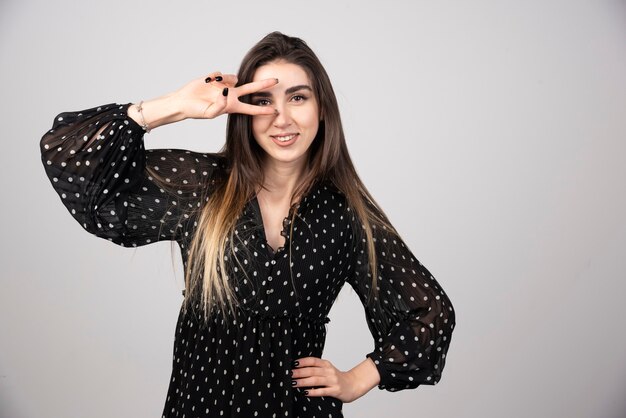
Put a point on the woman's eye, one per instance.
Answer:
(262, 102)
(299, 98)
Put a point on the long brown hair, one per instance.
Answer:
(328, 160)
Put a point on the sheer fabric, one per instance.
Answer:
(97, 163)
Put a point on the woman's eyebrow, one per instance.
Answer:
(296, 88)
(288, 91)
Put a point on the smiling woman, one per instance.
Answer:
(287, 135)
(270, 229)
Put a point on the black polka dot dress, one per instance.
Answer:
(240, 366)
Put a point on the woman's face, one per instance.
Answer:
(286, 136)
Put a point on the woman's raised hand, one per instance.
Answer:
(209, 97)
(204, 98)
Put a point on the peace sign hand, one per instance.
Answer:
(209, 97)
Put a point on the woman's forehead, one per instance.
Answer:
(287, 73)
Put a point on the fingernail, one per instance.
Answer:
(276, 80)
(306, 392)
(296, 363)
(290, 372)
(218, 78)
(207, 80)
(225, 91)
(276, 111)
(293, 383)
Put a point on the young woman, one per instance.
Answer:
(270, 229)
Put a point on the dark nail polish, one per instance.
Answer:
(276, 80)
(293, 383)
(207, 80)
(306, 392)
(290, 372)
(296, 363)
(225, 91)
(218, 78)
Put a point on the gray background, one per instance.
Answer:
(492, 132)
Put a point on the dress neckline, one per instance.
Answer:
(285, 228)
(297, 207)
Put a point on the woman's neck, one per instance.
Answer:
(281, 179)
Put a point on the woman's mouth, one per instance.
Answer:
(284, 140)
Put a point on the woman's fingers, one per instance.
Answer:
(229, 80)
(212, 76)
(227, 101)
(255, 86)
(314, 372)
(247, 89)
(313, 362)
(309, 372)
(254, 110)
(314, 381)
(250, 88)
(309, 377)
(321, 378)
(323, 391)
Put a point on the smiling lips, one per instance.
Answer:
(283, 140)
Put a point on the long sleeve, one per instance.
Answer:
(97, 163)
(412, 318)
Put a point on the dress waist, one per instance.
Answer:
(290, 315)
(266, 316)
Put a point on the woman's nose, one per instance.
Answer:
(282, 117)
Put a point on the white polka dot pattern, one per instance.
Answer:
(240, 366)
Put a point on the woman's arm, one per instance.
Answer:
(411, 319)
(96, 161)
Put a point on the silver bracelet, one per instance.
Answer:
(144, 125)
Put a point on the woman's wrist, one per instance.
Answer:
(366, 376)
(156, 112)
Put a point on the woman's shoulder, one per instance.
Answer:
(329, 185)
(328, 188)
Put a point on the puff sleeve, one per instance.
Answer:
(411, 319)
(97, 163)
